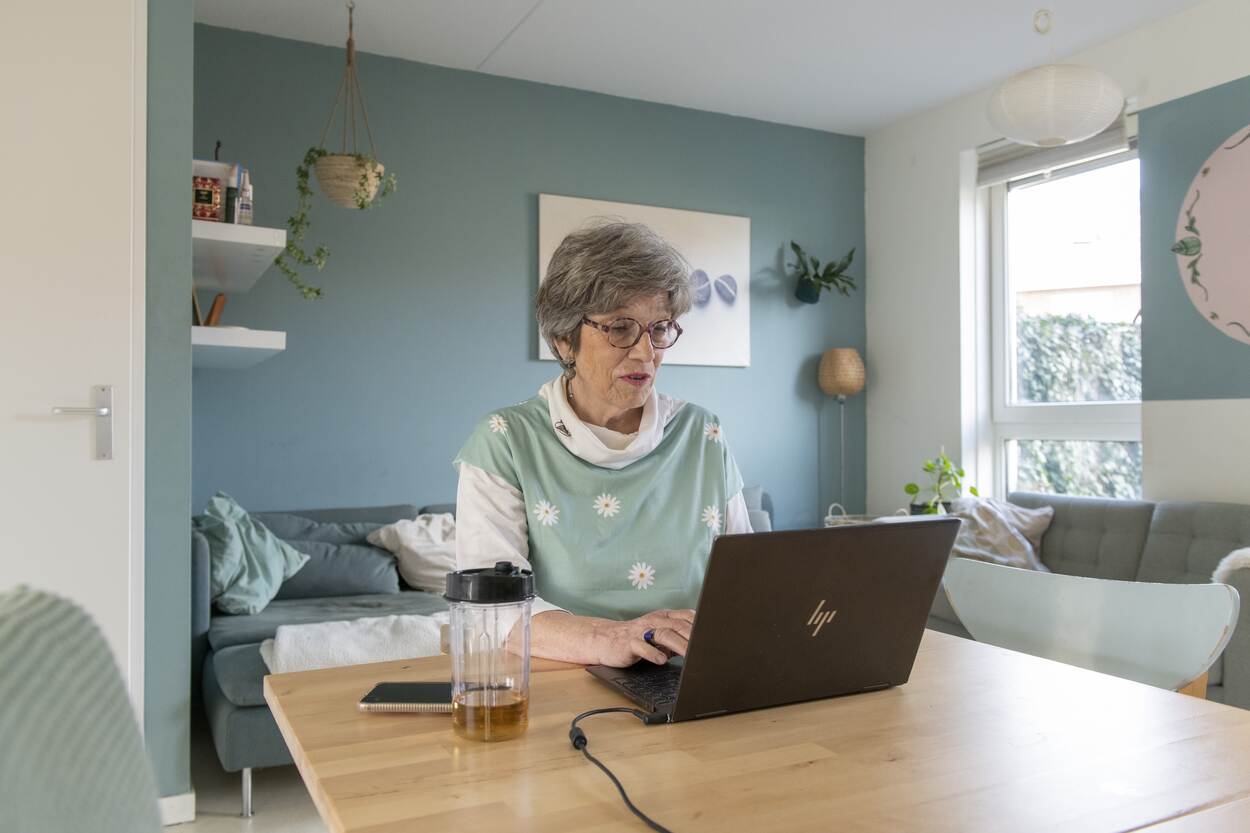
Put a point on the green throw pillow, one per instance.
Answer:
(248, 563)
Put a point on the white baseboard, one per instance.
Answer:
(178, 809)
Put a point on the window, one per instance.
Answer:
(1066, 334)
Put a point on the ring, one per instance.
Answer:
(649, 637)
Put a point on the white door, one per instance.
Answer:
(73, 174)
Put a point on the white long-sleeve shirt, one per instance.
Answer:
(491, 521)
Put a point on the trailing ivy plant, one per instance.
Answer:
(367, 166)
(295, 255)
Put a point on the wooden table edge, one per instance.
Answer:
(325, 808)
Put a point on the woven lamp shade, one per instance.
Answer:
(841, 372)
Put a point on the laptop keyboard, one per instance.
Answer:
(655, 688)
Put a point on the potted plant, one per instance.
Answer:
(351, 180)
(946, 482)
(812, 278)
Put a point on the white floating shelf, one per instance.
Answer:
(233, 348)
(226, 257)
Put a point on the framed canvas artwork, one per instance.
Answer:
(717, 329)
(1211, 245)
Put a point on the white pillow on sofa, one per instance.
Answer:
(424, 549)
(990, 532)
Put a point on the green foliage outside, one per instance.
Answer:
(1073, 358)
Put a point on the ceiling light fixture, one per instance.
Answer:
(1055, 104)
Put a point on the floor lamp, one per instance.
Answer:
(841, 374)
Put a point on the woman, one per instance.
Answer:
(612, 492)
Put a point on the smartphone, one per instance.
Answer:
(408, 697)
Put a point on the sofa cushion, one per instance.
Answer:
(248, 561)
(424, 549)
(759, 508)
(1092, 537)
(1215, 674)
(340, 570)
(243, 736)
(1187, 540)
(240, 672)
(942, 617)
(378, 515)
(226, 631)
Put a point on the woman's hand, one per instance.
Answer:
(582, 639)
(623, 643)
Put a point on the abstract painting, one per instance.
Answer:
(1211, 245)
(717, 330)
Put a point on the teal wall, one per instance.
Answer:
(427, 320)
(1184, 357)
(167, 473)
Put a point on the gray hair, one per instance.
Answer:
(603, 267)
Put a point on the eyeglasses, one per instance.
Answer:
(626, 332)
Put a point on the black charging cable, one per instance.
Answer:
(578, 738)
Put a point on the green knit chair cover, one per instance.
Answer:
(71, 757)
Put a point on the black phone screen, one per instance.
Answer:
(437, 693)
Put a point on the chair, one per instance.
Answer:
(71, 758)
(1164, 635)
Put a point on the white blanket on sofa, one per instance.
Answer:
(332, 644)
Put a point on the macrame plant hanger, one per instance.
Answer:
(348, 177)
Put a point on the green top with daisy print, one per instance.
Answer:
(615, 543)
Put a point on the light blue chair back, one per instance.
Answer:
(1164, 635)
(71, 758)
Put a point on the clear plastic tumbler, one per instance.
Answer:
(490, 651)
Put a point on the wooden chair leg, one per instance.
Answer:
(1196, 687)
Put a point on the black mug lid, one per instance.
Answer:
(500, 584)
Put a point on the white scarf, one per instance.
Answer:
(657, 412)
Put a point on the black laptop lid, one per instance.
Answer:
(791, 616)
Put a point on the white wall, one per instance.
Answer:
(1181, 463)
(917, 212)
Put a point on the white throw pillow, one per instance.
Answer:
(424, 549)
(986, 534)
(1235, 560)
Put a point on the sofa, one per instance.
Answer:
(227, 668)
(1171, 541)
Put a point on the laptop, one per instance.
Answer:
(785, 617)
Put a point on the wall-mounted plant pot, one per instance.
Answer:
(807, 291)
(922, 508)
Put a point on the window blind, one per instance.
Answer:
(1005, 160)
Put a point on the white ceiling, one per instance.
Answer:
(849, 66)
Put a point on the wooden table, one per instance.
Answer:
(1232, 817)
(980, 739)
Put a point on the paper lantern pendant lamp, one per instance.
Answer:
(1055, 104)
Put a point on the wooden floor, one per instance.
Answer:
(980, 739)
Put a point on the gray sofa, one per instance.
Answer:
(227, 668)
(346, 578)
(1177, 542)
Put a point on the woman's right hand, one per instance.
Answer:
(620, 644)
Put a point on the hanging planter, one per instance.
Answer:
(347, 178)
(349, 181)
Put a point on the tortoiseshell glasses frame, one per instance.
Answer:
(624, 333)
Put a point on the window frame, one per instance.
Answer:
(1095, 421)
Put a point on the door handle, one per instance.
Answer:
(64, 411)
(102, 410)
